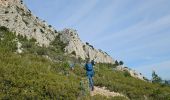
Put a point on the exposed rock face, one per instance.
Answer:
(77, 47)
(15, 16)
(133, 73)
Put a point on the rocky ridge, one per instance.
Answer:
(15, 16)
(83, 50)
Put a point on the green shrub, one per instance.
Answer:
(58, 44)
(156, 78)
(49, 26)
(73, 53)
(27, 45)
(41, 30)
(6, 12)
(31, 76)
(126, 74)
(116, 63)
(7, 40)
(41, 51)
(28, 76)
(3, 28)
(121, 62)
(133, 88)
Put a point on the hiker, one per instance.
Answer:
(72, 65)
(90, 73)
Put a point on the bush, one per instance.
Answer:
(41, 51)
(133, 88)
(156, 78)
(21, 2)
(73, 53)
(6, 12)
(35, 30)
(7, 41)
(116, 63)
(41, 30)
(58, 44)
(127, 74)
(121, 63)
(31, 76)
(27, 45)
(87, 43)
(49, 26)
(3, 28)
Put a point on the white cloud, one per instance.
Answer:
(96, 22)
(80, 12)
(138, 30)
(138, 10)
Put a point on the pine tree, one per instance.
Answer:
(156, 78)
(121, 62)
(116, 62)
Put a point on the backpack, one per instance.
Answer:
(89, 67)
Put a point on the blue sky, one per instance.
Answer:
(135, 31)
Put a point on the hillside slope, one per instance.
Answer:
(30, 75)
(15, 16)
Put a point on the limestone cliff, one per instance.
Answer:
(15, 16)
(83, 50)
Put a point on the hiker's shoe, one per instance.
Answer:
(93, 88)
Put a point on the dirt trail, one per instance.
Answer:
(103, 91)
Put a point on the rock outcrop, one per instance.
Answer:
(83, 50)
(15, 16)
(103, 91)
(132, 73)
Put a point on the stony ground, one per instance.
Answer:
(103, 91)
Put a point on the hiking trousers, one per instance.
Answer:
(91, 84)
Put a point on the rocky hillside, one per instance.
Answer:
(18, 18)
(84, 50)
(15, 16)
(35, 64)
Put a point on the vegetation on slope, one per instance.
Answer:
(133, 88)
(30, 75)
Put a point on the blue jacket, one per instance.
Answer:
(89, 72)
